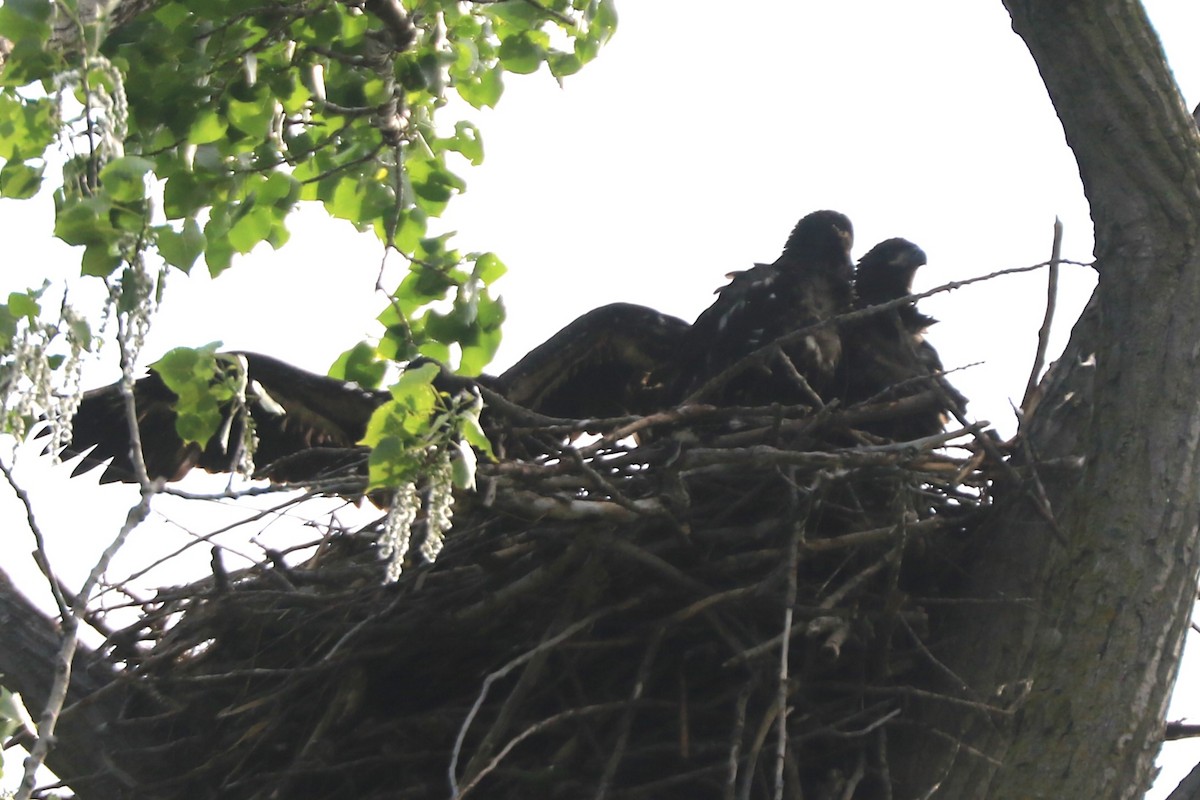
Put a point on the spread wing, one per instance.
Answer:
(613, 360)
(305, 411)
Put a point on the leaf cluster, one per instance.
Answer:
(196, 128)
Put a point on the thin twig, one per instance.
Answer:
(784, 647)
(40, 556)
(492, 677)
(1039, 359)
(735, 748)
(537, 727)
(639, 685)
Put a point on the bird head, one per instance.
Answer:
(824, 236)
(886, 271)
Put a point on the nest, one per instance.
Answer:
(704, 603)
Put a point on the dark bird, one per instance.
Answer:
(607, 362)
(613, 360)
(809, 284)
(301, 412)
(886, 356)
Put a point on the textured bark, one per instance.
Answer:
(28, 643)
(1089, 646)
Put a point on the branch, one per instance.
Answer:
(1039, 359)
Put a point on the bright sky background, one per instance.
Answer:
(687, 150)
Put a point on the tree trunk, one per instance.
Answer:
(28, 642)
(1087, 645)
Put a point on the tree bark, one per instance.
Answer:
(28, 642)
(1087, 643)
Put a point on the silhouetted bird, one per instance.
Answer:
(809, 284)
(612, 361)
(304, 412)
(886, 356)
(308, 425)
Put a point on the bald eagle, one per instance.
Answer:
(809, 284)
(301, 411)
(612, 361)
(886, 356)
(608, 362)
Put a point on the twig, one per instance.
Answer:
(1181, 730)
(760, 736)
(492, 677)
(39, 540)
(735, 749)
(639, 685)
(784, 647)
(860, 770)
(797, 377)
(537, 727)
(883, 766)
(874, 535)
(1039, 359)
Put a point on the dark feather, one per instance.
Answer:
(609, 362)
(319, 412)
(808, 284)
(886, 356)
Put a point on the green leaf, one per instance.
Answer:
(563, 64)
(85, 222)
(27, 127)
(23, 304)
(490, 314)
(410, 388)
(253, 118)
(182, 367)
(172, 15)
(280, 190)
(484, 90)
(13, 715)
(521, 53)
(604, 23)
(219, 253)
(360, 365)
(410, 230)
(439, 351)
(191, 373)
(218, 256)
(184, 195)
(472, 433)
(479, 353)
(432, 183)
(524, 15)
(20, 181)
(208, 127)
(489, 268)
(251, 228)
(124, 179)
(25, 20)
(180, 249)
(99, 260)
(391, 464)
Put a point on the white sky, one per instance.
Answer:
(687, 150)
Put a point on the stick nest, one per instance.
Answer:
(606, 621)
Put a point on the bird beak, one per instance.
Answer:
(913, 259)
